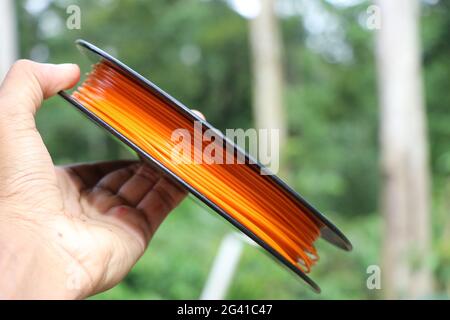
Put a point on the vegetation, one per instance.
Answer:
(199, 52)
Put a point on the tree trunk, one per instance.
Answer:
(404, 152)
(267, 73)
(8, 36)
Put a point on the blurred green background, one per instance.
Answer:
(199, 52)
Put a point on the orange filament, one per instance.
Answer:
(253, 200)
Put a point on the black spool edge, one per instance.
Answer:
(329, 231)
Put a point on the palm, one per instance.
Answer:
(111, 211)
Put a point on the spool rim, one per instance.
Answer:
(328, 232)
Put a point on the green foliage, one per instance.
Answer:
(199, 52)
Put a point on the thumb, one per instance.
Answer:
(28, 83)
(25, 163)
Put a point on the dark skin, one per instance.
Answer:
(67, 232)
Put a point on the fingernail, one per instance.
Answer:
(67, 65)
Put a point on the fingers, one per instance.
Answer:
(126, 186)
(87, 175)
(28, 83)
(156, 204)
(137, 186)
(137, 196)
(199, 114)
(114, 180)
(141, 187)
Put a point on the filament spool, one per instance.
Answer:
(262, 206)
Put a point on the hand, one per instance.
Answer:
(74, 231)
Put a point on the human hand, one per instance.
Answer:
(67, 232)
